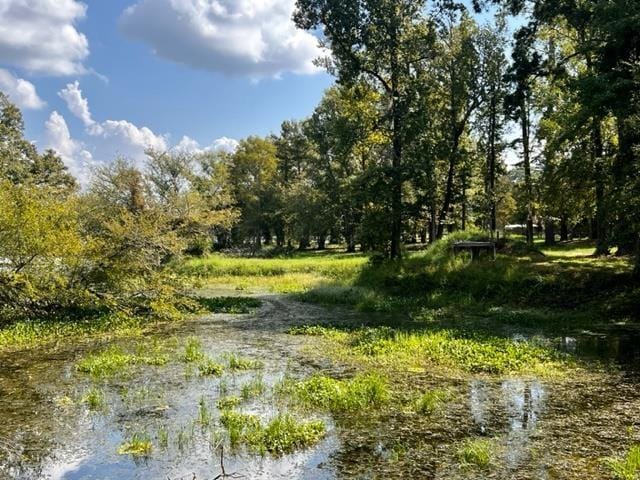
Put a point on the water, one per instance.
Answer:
(541, 428)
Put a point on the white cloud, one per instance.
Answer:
(223, 144)
(40, 36)
(76, 103)
(118, 137)
(20, 91)
(256, 38)
(78, 160)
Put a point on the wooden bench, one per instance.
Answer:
(475, 248)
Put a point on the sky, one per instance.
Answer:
(100, 79)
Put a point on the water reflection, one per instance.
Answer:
(513, 407)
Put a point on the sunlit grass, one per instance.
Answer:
(475, 453)
(115, 360)
(139, 445)
(626, 467)
(236, 362)
(431, 402)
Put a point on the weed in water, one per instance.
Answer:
(627, 467)
(94, 399)
(431, 401)
(163, 437)
(204, 414)
(238, 425)
(254, 388)
(475, 452)
(138, 446)
(208, 367)
(193, 351)
(241, 363)
(223, 387)
(184, 438)
(114, 360)
(227, 403)
(358, 394)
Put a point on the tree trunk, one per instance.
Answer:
(396, 180)
(527, 168)
(322, 240)
(602, 245)
(564, 229)
(549, 232)
(492, 166)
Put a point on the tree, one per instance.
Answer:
(380, 42)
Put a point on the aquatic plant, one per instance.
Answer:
(138, 446)
(209, 367)
(193, 351)
(227, 403)
(163, 437)
(359, 393)
(626, 467)
(431, 401)
(204, 414)
(94, 399)
(252, 389)
(114, 360)
(475, 452)
(241, 363)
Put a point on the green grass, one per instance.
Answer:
(205, 416)
(193, 351)
(281, 435)
(33, 333)
(115, 360)
(228, 403)
(451, 349)
(232, 305)
(94, 399)
(139, 445)
(209, 367)
(431, 402)
(358, 394)
(475, 453)
(252, 389)
(236, 362)
(626, 467)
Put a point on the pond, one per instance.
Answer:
(62, 423)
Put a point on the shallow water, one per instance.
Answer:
(541, 428)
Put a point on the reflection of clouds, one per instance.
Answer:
(479, 399)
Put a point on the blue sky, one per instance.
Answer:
(97, 79)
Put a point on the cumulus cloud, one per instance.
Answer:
(256, 38)
(223, 144)
(40, 36)
(78, 160)
(76, 103)
(20, 91)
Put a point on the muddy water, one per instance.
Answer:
(540, 428)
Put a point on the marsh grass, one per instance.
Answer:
(363, 392)
(476, 453)
(205, 416)
(228, 403)
(447, 348)
(231, 305)
(94, 399)
(626, 467)
(115, 360)
(163, 437)
(193, 351)
(236, 362)
(431, 402)
(209, 367)
(139, 445)
(253, 389)
(281, 435)
(36, 333)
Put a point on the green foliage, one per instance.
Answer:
(193, 351)
(94, 399)
(228, 403)
(281, 435)
(626, 467)
(209, 367)
(114, 360)
(252, 389)
(431, 402)
(139, 445)
(476, 453)
(236, 362)
(356, 395)
(234, 305)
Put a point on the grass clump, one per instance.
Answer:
(431, 401)
(626, 467)
(252, 389)
(232, 305)
(475, 453)
(94, 399)
(208, 367)
(228, 403)
(114, 360)
(138, 446)
(241, 363)
(357, 394)
(281, 435)
(193, 351)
